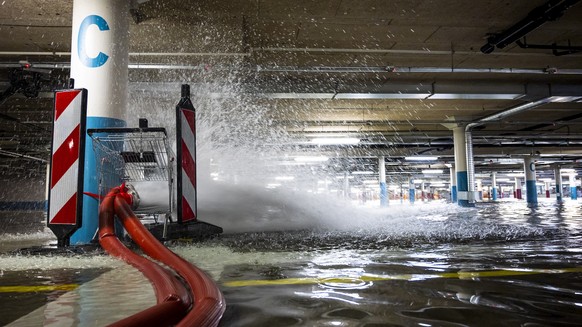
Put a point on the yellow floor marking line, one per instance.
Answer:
(405, 277)
(38, 288)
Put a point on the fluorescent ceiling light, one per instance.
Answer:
(515, 174)
(381, 95)
(503, 179)
(370, 181)
(298, 95)
(284, 178)
(362, 172)
(311, 159)
(335, 140)
(567, 170)
(432, 171)
(459, 96)
(421, 158)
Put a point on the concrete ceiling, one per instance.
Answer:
(395, 74)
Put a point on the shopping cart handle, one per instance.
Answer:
(122, 130)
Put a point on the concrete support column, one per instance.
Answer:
(480, 188)
(346, 185)
(411, 190)
(558, 177)
(494, 186)
(383, 189)
(422, 192)
(530, 180)
(573, 191)
(99, 63)
(463, 197)
(518, 188)
(453, 173)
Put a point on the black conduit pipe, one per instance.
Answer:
(549, 11)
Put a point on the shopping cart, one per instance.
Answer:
(142, 158)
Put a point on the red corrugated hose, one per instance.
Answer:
(198, 303)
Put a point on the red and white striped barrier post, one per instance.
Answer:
(186, 157)
(67, 161)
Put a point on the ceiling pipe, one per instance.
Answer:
(549, 11)
(294, 69)
(317, 69)
(418, 70)
(495, 117)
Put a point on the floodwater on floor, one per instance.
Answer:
(431, 264)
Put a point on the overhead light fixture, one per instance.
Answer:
(298, 95)
(432, 171)
(335, 141)
(368, 172)
(381, 95)
(284, 178)
(515, 174)
(461, 96)
(421, 158)
(311, 159)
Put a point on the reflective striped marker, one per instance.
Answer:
(186, 157)
(66, 170)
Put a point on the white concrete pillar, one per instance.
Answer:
(382, 180)
(463, 197)
(558, 178)
(99, 63)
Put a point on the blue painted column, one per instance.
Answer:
(530, 180)
(99, 61)
(453, 173)
(382, 179)
(573, 190)
(411, 190)
(461, 167)
(494, 186)
(558, 177)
